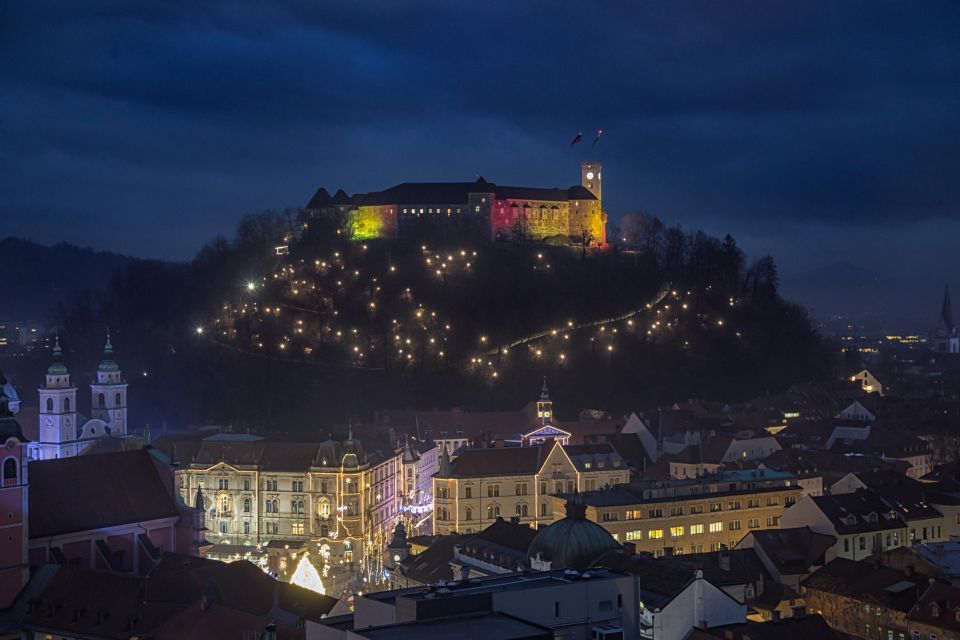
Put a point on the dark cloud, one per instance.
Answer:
(148, 127)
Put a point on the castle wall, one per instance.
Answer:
(372, 222)
(587, 219)
(529, 219)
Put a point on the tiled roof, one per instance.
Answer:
(859, 504)
(866, 582)
(83, 603)
(807, 627)
(503, 461)
(938, 606)
(214, 622)
(267, 455)
(125, 487)
(415, 193)
(793, 551)
(433, 565)
(239, 585)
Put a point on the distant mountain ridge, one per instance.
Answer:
(36, 277)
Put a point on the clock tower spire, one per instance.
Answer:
(590, 176)
(58, 410)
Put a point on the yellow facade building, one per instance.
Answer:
(690, 516)
(480, 485)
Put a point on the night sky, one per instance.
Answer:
(821, 132)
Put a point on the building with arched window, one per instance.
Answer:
(64, 432)
(478, 209)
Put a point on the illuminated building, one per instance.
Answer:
(691, 516)
(481, 209)
(946, 337)
(14, 568)
(255, 491)
(867, 381)
(63, 431)
(480, 485)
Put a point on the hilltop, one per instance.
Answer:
(37, 277)
(333, 329)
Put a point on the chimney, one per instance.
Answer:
(799, 612)
(760, 585)
(724, 561)
(630, 548)
(464, 572)
(727, 634)
(514, 519)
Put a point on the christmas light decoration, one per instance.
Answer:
(307, 576)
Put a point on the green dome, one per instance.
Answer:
(57, 368)
(574, 542)
(108, 365)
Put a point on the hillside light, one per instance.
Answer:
(251, 286)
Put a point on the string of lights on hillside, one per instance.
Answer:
(347, 309)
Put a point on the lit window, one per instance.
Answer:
(676, 532)
(716, 527)
(634, 535)
(655, 534)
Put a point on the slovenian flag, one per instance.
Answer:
(596, 139)
(577, 140)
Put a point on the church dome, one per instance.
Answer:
(57, 368)
(574, 542)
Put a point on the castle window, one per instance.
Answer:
(246, 505)
(469, 514)
(66, 405)
(9, 471)
(116, 400)
(101, 401)
(49, 404)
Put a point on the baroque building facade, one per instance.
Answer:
(479, 209)
(255, 491)
(480, 485)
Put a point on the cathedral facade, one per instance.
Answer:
(478, 209)
(63, 431)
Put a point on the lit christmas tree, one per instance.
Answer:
(306, 575)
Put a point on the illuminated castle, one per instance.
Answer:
(481, 209)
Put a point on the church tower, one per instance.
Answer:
(544, 406)
(14, 536)
(109, 393)
(590, 177)
(946, 338)
(58, 411)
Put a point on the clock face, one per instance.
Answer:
(589, 175)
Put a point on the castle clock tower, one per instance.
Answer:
(109, 393)
(58, 411)
(590, 177)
